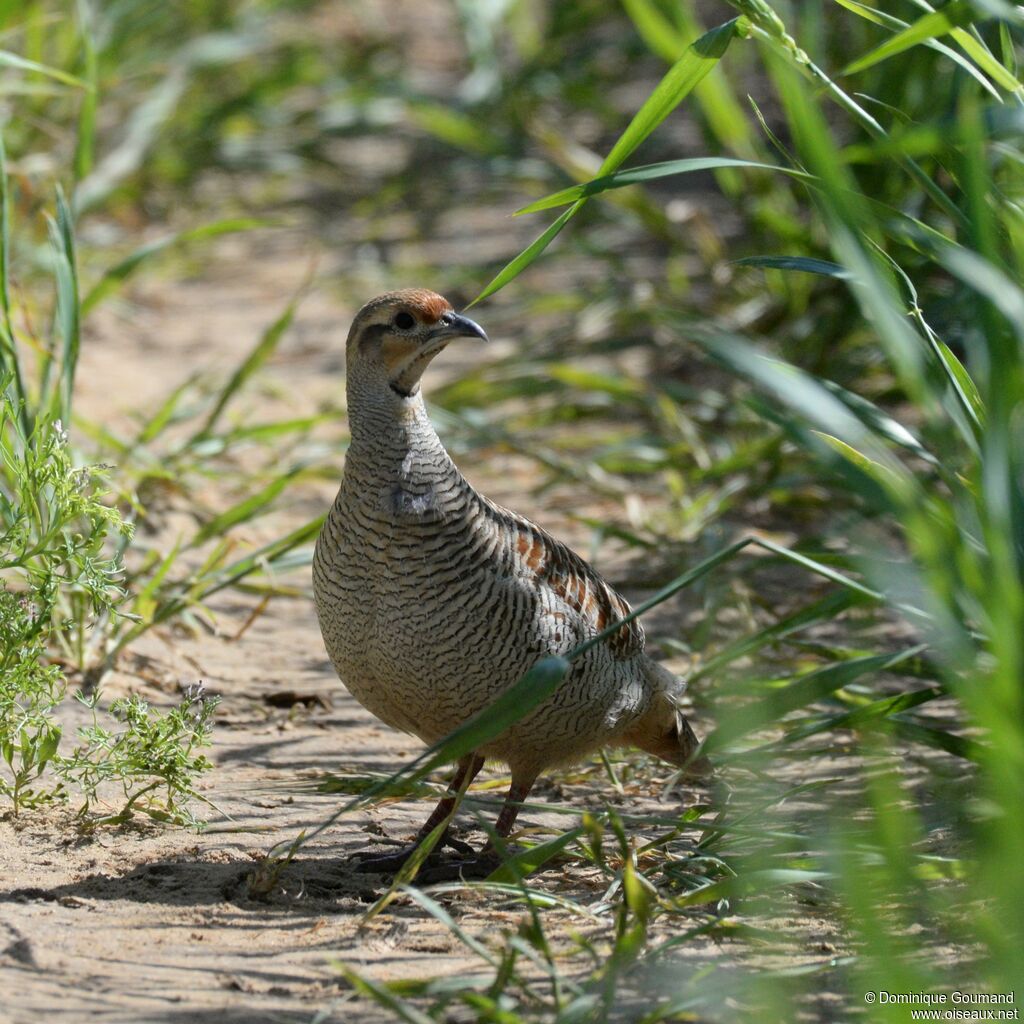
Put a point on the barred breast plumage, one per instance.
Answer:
(433, 599)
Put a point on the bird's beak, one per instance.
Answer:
(455, 325)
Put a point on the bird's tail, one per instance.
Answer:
(663, 729)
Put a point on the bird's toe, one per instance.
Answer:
(462, 869)
(375, 862)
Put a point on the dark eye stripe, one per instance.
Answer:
(373, 331)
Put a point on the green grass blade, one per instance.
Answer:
(880, 474)
(680, 582)
(828, 607)
(701, 56)
(267, 556)
(10, 361)
(985, 60)
(454, 127)
(963, 382)
(774, 704)
(803, 264)
(244, 510)
(5, 242)
(714, 94)
(897, 25)
(514, 268)
(145, 601)
(880, 422)
(989, 281)
(408, 871)
(973, 46)
(870, 713)
(660, 35)
(524, 863)
(520, 894)
(798, 390)
(750, 883)
(1006, 48)
(140, 131)
(959, 746)
(399, 1008)
(698, 60)
(650, 172)
(277, 429)
(12, 60)
(432, 907)
(154, 426)
(68, 310)
(871, 14)
(937, 23)
(969, 413)
(795, 64)
(85, 140)
(819, 568)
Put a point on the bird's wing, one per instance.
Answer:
(550, 563)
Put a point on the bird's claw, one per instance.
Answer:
(460, 846)
(372, 861)
(471, 865)
(475, 867)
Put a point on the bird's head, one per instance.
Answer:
(663, 730)
(394, 337)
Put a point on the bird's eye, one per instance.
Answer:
(404, 320)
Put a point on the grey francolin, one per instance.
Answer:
(433, 599)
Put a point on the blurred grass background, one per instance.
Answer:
(827, 360)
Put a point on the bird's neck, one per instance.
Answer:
(392, 439)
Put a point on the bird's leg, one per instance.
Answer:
(517, 794)
(480, 865)
(468, 769)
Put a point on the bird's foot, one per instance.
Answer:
(436, 868)
(464, 869)
(460, 846)
(372, 861)
(376, 863)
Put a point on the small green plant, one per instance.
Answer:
(153, 759)
(29, 691)
(53, 529)
(54, 556)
